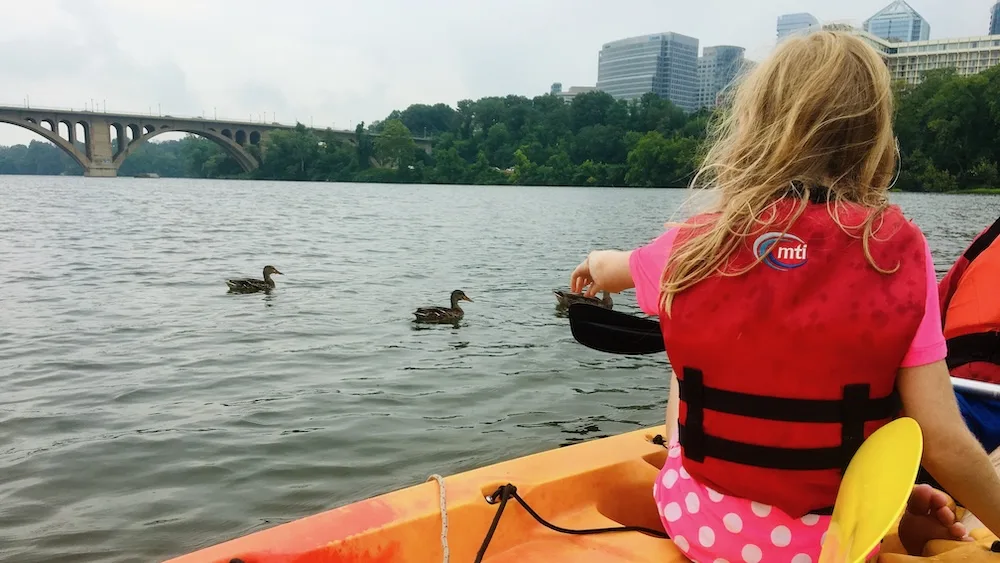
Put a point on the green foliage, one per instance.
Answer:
(37, 157)
(395, 147)
(948, 129)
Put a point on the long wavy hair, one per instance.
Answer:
(817, 112)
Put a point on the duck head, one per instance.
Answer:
(459, 295)
(268, 270)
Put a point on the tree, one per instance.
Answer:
(395, 147)
(660, 162)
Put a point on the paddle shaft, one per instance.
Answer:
(987, 390)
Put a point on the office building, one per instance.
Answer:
(908, 61)
(665, 64)
(718, 67)
(568, 95)
(790, 24)
(995, 19)
(898, 22)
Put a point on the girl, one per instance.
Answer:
(796, 313)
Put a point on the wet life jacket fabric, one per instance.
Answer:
(784, 370)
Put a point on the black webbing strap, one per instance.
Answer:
(692, 433)
(779, 408)
(978, 347)
(852, 429)
(760, 456)
(983, 242)
(852, 412)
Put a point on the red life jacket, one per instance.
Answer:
(785, 369)
(970, 309)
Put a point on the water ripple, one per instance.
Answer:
(146, 413)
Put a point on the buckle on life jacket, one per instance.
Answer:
(852, 412)
(976, 347)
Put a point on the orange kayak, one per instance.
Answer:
(605, 483)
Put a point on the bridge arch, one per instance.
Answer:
(51, 136)
(246, 161)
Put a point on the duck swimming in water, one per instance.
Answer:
(451, 314)
(250, 285)
(566, 299)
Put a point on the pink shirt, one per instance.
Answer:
(647, 262)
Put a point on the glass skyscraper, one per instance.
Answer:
(995, 19)
(718, 67)
(898, 22)
(665, 64)
(789, 24)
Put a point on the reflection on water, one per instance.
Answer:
(146, 412)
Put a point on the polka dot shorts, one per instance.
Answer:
(710, 527)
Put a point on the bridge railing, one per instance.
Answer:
(159, 115)
(149, 113)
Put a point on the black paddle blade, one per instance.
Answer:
(614, 332)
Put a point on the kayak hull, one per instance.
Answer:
(596, 484)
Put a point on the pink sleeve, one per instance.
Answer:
(928, 344)
(646, 266)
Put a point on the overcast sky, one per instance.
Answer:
(338, 62)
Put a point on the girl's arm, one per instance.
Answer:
(603, 270)
(673, 404)
(952, 454)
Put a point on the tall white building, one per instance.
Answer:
(718, 67)
(664, 63)
(790, 24)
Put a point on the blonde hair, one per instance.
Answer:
(818, 111)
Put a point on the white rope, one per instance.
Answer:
(444, 516)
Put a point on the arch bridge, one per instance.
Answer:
(87, 136)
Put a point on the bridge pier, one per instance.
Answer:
(102, 159)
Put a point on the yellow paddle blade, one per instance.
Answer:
(874, 492)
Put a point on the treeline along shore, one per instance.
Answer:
(948, 128)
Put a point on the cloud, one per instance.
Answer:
(344, 61)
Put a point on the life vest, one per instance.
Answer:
(970, 309)
(784, 370)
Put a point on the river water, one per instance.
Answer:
(145, 412)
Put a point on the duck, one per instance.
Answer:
(451, 314)
(567, 298)
(250, 285)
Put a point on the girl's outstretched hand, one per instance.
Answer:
(581, 278)
(602, 270)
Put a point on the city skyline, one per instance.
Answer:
(338, 65)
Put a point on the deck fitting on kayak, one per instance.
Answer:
(509, 491)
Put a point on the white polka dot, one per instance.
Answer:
(802, 558)
(682, 543)
(733, 523)
(716, 496)
(674, 452)
(751, 553)
(810, 519)
(706, 536)
(669, 478)
(672, 512)
(822, 539)
(684, 473)
(781, 536)
(692, 503)
(759, 509)
(720, 561)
